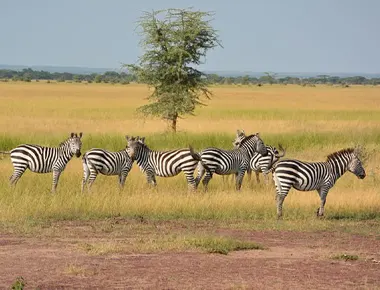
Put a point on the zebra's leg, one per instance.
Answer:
(151, 179)
(239, 179)
(249, 174)
(280, 200)
(91, 178)
(207, 179)
(224, 178)
(201, 172)
(190, 181)
(122, 178)
(322, 194)
(266, 177)
(86, 175)
(56, 175)
(17, 173)
(257, 176)
(281, 192)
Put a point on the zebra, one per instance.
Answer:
(258, 162)
(224, 162)
(320, 176)
(101, 161)
(163, 163)
(41, 159)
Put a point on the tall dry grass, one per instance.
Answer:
(310, 122)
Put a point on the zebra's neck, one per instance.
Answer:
(65, 152)
(339, 165)
(142, 157)
(248, 148)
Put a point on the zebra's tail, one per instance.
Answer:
(198, 158)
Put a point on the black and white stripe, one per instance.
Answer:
(259, 163)
(263, 164)
(163, 163)
(225, 162)
(41, 159)
(101, 161)
(320, 176)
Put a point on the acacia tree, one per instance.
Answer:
(175, 43)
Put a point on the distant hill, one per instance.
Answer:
(90, 70)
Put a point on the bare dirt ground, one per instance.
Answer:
(291, 260)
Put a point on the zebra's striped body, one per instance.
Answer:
(224, 162)
(264, 164)
(258, 162)
(41, 159)
(163, 163)
(101, 161)
(320, 176)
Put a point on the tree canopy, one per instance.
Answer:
(175, 42)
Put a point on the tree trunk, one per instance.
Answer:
(174, 124)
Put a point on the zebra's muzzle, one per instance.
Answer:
(78, 154)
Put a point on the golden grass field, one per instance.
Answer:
(310, 121)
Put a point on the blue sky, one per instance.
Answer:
(273, 35)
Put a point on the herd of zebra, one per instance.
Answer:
(249, 154)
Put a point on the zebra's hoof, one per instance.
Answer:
(318, 214)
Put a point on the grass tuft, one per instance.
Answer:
(345, 257)
(101, 248)
(222, 245)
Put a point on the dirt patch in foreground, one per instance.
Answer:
(292, 260)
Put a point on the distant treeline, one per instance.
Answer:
(272, 79)
(28, 75)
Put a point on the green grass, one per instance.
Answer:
(345, 257)
(166, 141)
(223, 245)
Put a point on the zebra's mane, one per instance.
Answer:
(64, 142)
(340, 153)
(247, 138)
(143, 145)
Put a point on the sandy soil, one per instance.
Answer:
(292, 260)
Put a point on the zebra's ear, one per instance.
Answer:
(72, 135)
(258, 134)
(142, 140)
(80, 134)
(127, 137)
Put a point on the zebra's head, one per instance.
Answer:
(134, 145)
(355, 165)
(260, 146)
(240, 136)
(254, 144)
(75, 144)
(347, 159)
(273, 150)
